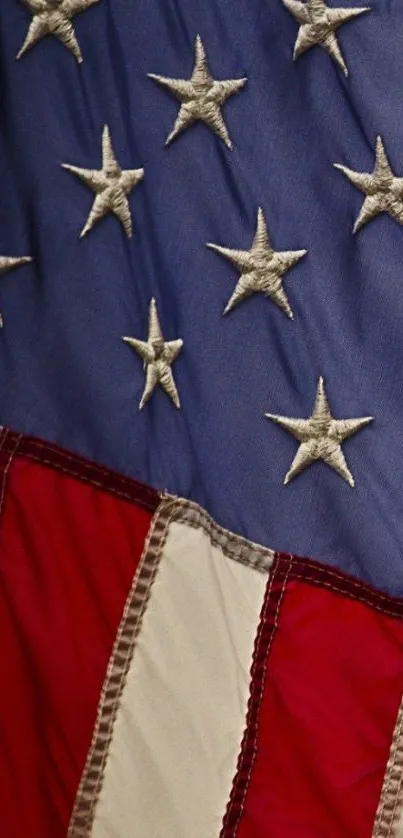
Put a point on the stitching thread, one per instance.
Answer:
(76, 474)
(397, 800)
(391, 791)
(322, 584)
(248, 748)
(244, 744)
(136, 491)
(262, 685)
(233, 546)
(309, 563)
(82, 818)
(169, 510)
(262, 557)
(6, 469)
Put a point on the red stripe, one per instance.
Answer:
(264, 639)
(68, 552)
(65, 462)
(325, 693)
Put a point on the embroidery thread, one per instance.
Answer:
(318, 27)
(111, 185)
(8, 263)
(157, 355)
(320, 437)
(384, 191)
(262, 268)
(201, 97)
(53, 17)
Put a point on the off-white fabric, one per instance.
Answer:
(181, 719)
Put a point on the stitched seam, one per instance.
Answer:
(260, 699)
(85, 469)
(6, 470)
(233, 546)
(3, 436)
(391, 791)
(261, 628)
(347, 594)
(89, 480)
(82, 464)
(170, 509)
(397, 797)
(389, 781)
(265, 553)
(223, 833)
(75, 458)
(261, 557)
(306, 563)
(118, 667)
(252, 714)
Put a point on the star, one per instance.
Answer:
(53, 17)
(262, 268)
(157, 355)
(318, 26)
(384, 191)
(201, 96)
(111, 185)
(8, 263)
(320, 437)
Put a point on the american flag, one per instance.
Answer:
(201, 209)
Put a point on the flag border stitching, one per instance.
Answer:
(288, 568)
(81, 468)
(268, 623)
(168, 509)
(391, 801)
(11, 450)
(171, 510)
(91, 781)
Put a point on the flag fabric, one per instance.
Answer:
(166, 677)
(200, 306)
(66, 375)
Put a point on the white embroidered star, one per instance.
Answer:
(111, 185)
(53, 17)
(262, 268)
(8, 263)
(384, 191)
(201, 96)
(157, 355)
(318, 25)
(320, 437)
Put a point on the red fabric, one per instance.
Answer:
(331, 687)
(68, 552)
(51, 454)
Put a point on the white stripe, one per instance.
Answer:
(181, 719)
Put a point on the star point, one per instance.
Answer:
(9, 263)
(318, 26)
(111, 185)
(262, 269)
(382, 189)
(201, 97)
(320, 437)
(54, 17)
(157, 356)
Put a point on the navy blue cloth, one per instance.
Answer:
(65, 374)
